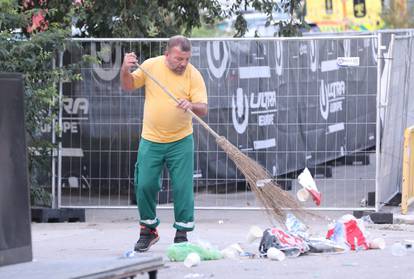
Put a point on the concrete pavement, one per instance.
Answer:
(109, 233)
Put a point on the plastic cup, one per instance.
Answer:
(192, 259)
(398, 250)
(377, 243)
(275, 254)
(254, 233)
(232, 252)
(302, 195)
(229, 253)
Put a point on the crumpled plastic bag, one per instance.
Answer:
(179, 251)
(296, 227)
(323, 245)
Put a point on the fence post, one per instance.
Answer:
(59, 149)
(407, 196)
(378, 124)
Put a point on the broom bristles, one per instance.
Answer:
(274, 199)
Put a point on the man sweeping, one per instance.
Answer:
(167, 135)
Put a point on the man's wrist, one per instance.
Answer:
(124, 70)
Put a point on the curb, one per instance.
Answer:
(403, 219)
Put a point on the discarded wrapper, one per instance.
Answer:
(192, 259)
(306, 180)
(254, 233)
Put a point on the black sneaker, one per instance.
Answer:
(147, 238)
(180, 236)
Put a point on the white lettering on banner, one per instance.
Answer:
(335, 106)
(70, 152)
(329, 65)
(347, 61)
(261, 103)
(374, 49)
(240, 111)
(279, 57)
(75, 106)
(331, 97)
(303, 49)
(336, 128)
(107, 69)
(266, 120)
(195, 51)
(313, 55)
(254, 72)
(70, 126)
(218, 58)
(347, 47)
(262, 144)
(264, 100)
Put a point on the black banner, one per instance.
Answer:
(286, 103)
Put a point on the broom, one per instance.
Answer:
(273, 198)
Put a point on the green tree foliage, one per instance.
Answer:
(287, 28)
(29, 45)
(397, 16)
(161, 18)
(142, 19)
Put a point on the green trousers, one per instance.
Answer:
(179, 159)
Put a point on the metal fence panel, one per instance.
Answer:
(398, 115)
(285, 102)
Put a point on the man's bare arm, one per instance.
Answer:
(200, 109)
(127, 82)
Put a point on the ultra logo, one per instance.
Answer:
(331, 97)
(263, 104)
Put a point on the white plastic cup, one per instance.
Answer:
(229, 253)
(398, 250)
(254, 233)
(236, 247)
(275, 254)
(192, 259)
(377, 243)
(302, 195)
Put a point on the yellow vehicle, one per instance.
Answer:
(344, 15)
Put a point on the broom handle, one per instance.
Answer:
(205, 125)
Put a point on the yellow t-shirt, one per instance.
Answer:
(163, 120)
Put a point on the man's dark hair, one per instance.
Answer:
(182, 42)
